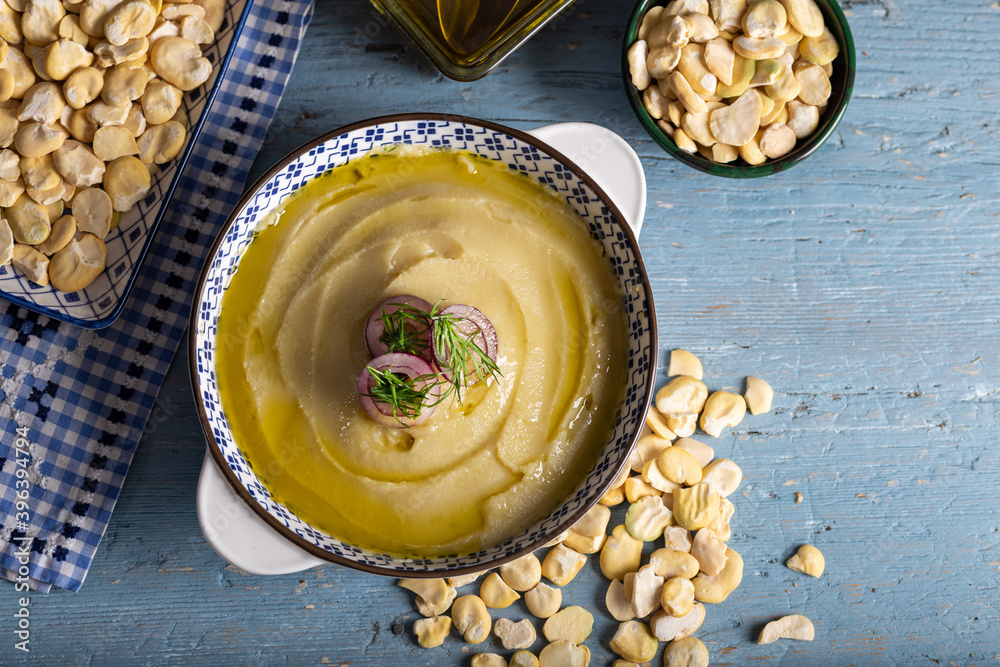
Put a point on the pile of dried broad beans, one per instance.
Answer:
(678, 494)
(730, 80)
(90, 105)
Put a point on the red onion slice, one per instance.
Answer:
(375, 326)
(470, 322)
(410, 366)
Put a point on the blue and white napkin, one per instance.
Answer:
(74, 402)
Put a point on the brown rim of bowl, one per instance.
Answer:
(213, 446)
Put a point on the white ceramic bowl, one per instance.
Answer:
(519, 151)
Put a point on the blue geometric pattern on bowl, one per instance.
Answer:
(518, 155)
(98, 304)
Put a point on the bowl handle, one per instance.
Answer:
(238, 535)
(608, 159)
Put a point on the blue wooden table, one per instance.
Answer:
(864, 285)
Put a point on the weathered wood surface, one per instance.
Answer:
(863, 284)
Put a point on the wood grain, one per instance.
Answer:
(864, 285)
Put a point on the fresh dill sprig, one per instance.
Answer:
(455, 350)
(459, 352)
(407, 396)
(398, 336)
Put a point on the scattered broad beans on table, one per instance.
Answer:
(434, 596)
(523, 659)
(808, 560)
(432, 632)
(471, 618)
(669, 628)
(795, 626)
(520, 635)
(496, 594)
(644, 591)
(618, 605)
(522, 574)
(90, 106)
(562, 564)
(562, 653)
(758, 395)
(647, 518)
(488, 660)
(634, 642)
(685, 652)
(730, 79)
(678, 494)
(543, 600)
(677, 596)
(573, 624)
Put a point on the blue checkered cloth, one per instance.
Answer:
(74, 402)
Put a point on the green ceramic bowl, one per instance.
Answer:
(842, 84)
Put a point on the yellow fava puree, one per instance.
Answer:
(441, 225)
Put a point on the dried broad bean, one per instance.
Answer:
(795, 626)
(808, 560)
(633, 641)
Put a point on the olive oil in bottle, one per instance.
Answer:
(467, 30)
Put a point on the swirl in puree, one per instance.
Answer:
(452, 228)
